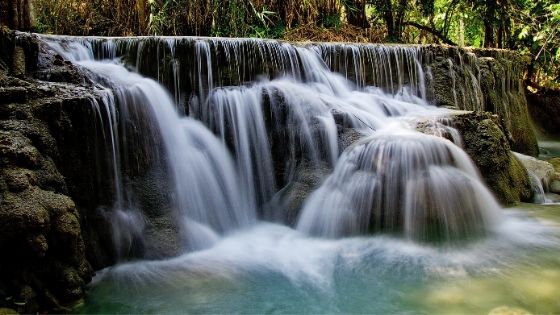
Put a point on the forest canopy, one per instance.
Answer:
(530, 26)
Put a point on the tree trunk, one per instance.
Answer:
(386, 8)
(500, 40)
(16, 14)
(356, 14)
(488, 35)
(401, 10)
(461, 32)
(489, 22)
(26, 15)
(5, 9)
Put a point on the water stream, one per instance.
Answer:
(229, 150)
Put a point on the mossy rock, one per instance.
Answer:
(20, 213)
(16, 149)
(485, 142)
(555, 163)
(453, 84)
(19, 179)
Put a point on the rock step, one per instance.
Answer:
(14, 94)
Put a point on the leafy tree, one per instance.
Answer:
(537, 32)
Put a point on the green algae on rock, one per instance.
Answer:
(485, 141)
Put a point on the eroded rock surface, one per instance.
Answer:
(487, 145)
(43, 265)
(455, 73)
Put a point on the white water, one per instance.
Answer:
(400, 179)
(394, 180)
(220, 159)
(273, 269)
(202, 172)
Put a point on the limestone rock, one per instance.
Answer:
(485, 142)
(163, 238)
(555, 163)
(544, 171)
(454, 73)
(41, 227)
(19, 179)
(14, 94)
(554, 187)
(292, 197)
(18, 66)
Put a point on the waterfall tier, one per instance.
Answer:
(275, 107)
(189, 147)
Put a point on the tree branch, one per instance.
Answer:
(432, 31)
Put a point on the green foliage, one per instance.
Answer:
(532, 27)
(538, 33)
(331, 21)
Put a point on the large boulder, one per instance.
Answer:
(554, 186)
(486, 143)
(287, 204)
(542, 170)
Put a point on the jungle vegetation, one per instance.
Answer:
(530, 26)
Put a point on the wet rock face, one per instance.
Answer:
(43, 265)
(485, 142)
(56, 184)
(485, 80)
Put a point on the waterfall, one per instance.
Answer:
(401, 181)
(202, 172)
(239, 116)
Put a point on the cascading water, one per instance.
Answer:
(374, 187)
(298, 112)
(401, 181)
(201, 170)
(240, 121)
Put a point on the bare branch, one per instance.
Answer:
(432, 31)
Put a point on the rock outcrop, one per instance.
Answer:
(486, 143)
(57, 187)
(485, 80)
(44, 265)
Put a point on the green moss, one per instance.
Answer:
(487, 145)
(556, 163)
(499, 73)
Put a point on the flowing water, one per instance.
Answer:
(231, 141)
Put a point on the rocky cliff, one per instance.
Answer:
(47, 181)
